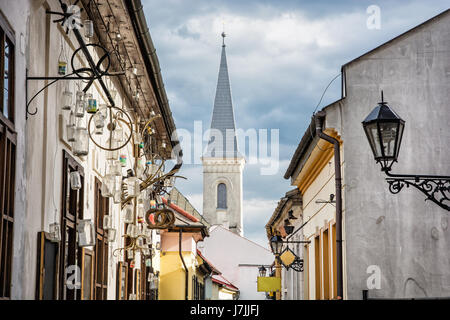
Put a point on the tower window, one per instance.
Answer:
(221, 196)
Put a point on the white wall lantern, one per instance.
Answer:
(55, 232)
(75, 180)
(81, 144)
(128, 214)
(107, 222)
(66, 100)
(112, 235)
(86, 233)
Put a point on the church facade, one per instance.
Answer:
(222, 163)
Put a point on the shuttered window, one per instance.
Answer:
(101, 248)
(8, 140)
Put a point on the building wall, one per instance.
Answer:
(407, 238)
(320, 217)
(229, 172)
(292, 281)
(227, 251)
(41, 142)
(172, 276)
(16, 13)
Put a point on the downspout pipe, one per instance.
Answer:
(319, 118)
(186, 271)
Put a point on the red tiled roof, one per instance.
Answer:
(208, 262)
(221, 280)
(181, 211)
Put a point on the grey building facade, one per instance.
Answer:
(400, 238)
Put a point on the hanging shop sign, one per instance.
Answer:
(269, 284)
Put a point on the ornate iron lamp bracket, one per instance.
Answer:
(436, 188)
(91, 73)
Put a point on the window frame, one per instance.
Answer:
(71, 200)
(7, 34)
(8, 150)
(222, 203)
(101, 209)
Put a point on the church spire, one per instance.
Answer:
(223, 115)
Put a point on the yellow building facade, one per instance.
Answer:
(312, 171)
(316, 182)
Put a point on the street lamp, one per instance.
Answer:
(276, 243)
(384, 130)
(262, 271)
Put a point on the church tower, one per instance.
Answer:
(222, 162)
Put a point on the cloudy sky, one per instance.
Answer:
(281, 55)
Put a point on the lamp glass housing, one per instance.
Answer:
(88, 28)
(79, 104)
(66, 100)
(75, 180)
(107, 222)
(276, 244)
(107, 188)
(133, 186)
(262, 271)
(86, 233)
(132, 231)
(55, 232)
(128, 214)
(112, 235)
(81, 143)
(384, 131)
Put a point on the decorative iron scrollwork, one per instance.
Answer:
(297, 265)
(437, 189)
(159, 218)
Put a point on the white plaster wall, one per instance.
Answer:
(227, 250)
(16, 14)
(228, 171)
(40, 144)
(406, 237)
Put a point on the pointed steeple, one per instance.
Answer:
(223, 116)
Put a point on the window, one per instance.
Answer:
(198, 290)
(306, 275)
(101, 248)
(46, 275)
(221, 196)
(72, 211)
(334, 279)
(122, 281)
(7, 158)
(317, 266)
(87, 274)
(326, 265)
(6, 72)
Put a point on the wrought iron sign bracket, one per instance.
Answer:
(91, 73)
(436, 188)
(299, 241)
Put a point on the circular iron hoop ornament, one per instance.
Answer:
(129, 137)
(164, 218)
(81, 70)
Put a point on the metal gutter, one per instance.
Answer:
(319, 118)
(186, 271)
(137, 16)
